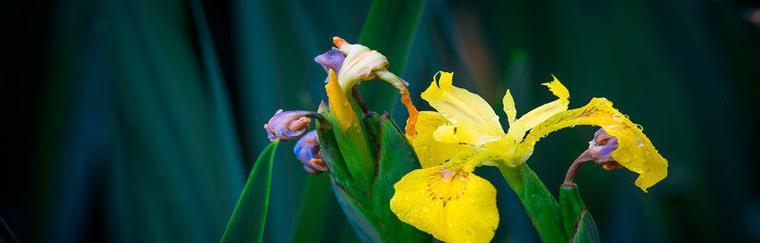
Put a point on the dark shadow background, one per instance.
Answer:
(119, 127)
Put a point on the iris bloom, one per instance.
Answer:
(347, 66)
(446, 199)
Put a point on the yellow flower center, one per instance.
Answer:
(447, 185)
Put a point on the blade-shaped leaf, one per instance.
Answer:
(249, 218)
(586, 231)
(397, 158)
(576, 220)
(571, 205)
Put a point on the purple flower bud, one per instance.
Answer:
(288, 125)
(600, 150)
(332, 59)
(307, 151)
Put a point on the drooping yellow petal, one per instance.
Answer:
(635, 152)
(339, 104)
(452, 205)
(430, 151)
(541, 113)
(468, 112)
(509, 108)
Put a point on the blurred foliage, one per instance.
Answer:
(148, 113)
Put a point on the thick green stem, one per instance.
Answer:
(539, 203)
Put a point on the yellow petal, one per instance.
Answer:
(430, 151)
(541, 113)
(635, 152)
(509, 108)
(453, 206)
(557, 88)
(468, 112)
(339, 104)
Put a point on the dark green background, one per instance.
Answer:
(137, 120)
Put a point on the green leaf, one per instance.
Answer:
(539, 203)
(586, 231)
(331, 150)
(576, 220)
(396, 159)
(359, 215)
(369, 212)
(389, 28)
(354, 147)
(571, 206)
(249, 218)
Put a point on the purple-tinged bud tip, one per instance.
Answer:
(288, 125)
(600, 150)
(332, 59)
(307, 151)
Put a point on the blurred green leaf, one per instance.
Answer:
(312, 211)
(8, 231)
(220, 108)
(389, 28)
(249, 218)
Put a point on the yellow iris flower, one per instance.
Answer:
(447, 200)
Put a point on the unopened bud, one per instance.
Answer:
(307, 151)
(600, 150)
(288, 125)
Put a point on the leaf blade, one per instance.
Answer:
(249, 217)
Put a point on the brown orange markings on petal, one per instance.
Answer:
(411, 121)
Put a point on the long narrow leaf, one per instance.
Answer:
(249, 218)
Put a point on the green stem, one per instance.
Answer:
(539, 203)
